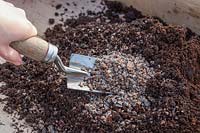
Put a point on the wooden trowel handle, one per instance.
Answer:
(34, 48)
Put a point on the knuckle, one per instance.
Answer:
(21, 11)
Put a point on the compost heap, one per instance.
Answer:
(163, 96)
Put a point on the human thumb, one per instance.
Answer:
(10, 55)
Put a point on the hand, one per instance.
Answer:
(14, 26)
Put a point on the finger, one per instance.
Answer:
(6, 3)
(11, 55)
(29, 28)
(27, 31)
(32, 31)
(20, 11)
(9, 4)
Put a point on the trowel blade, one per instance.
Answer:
(80, 62)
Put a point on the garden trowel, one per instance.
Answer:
(40, 50)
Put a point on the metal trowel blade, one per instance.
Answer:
(80, 62)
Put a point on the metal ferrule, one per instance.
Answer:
(51, 53)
